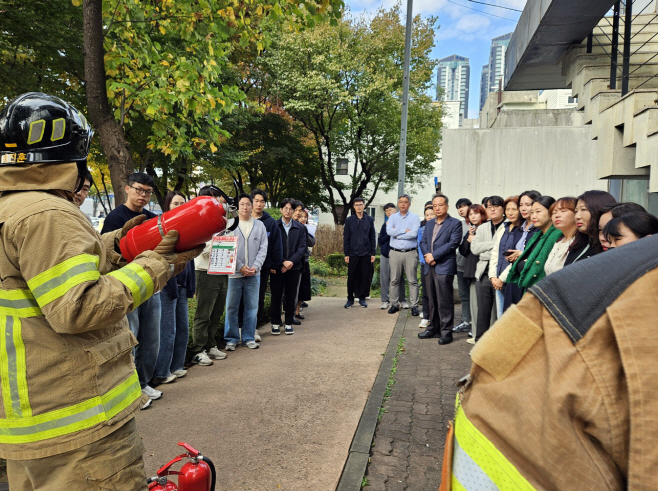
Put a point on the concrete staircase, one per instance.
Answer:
(626, 128)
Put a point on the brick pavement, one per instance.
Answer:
(408, 446)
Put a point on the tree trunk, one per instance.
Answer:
(113, 141)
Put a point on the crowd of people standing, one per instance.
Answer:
(497, 250)
(267, 249)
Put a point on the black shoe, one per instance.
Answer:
(428, 335)
(445, 340)
(393, 310)
(349, 304)
(304, 304)
(295, 322)
(300, 316)
(363, 303)
(414, 311)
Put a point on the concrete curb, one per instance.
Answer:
(359, 455)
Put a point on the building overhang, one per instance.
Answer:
(544, 32)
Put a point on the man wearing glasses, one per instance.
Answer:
(145, 319)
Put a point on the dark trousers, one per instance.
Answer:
(359, 277)
(465, 296)
(513, 294)
(284, 285)
(264, 276)
(442, 305)
(486, 302)
(424, 278)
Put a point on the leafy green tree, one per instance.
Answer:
(268, 150)
(41, 49)
(344, 83)
(164, 61)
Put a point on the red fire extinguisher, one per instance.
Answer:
(196, 222)
(198, 474)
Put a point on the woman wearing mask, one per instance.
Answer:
(512, 232)
(529, 267)
(588, 211)
(563, 216)
(630, 227)
(174, 323)
(475, 217)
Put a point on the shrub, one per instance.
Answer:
(274, 212)
(317, 285)
(329, 240)
(319, 267)
(337, 262)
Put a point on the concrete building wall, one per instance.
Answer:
(557, 161)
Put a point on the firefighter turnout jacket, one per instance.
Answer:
(562, 393)
(66, 370)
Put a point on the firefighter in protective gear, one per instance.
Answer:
(68, 384)
(562, 393)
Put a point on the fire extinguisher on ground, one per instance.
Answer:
(198, 474)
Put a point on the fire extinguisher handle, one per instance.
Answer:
(164, 470)
(191, 450)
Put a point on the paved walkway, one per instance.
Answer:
(280, 417)
(410, 437)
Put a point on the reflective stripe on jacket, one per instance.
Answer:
(66, 371)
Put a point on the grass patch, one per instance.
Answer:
(364, 482)
(391, 377)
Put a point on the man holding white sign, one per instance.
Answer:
(245, 282)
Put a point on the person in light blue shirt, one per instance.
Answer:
(403, 228)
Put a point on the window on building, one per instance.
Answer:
(572, 100)
(341, 167)
(371, 211)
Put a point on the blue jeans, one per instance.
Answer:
(500, 301)
(174, 331)
(246, 288)
(145, 325)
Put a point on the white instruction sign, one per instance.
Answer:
(223, 254)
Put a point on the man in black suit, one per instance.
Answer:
(442, 236)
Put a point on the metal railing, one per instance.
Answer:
(622, 13)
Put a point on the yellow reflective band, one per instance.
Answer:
(68, 420)
(137, 280)
(18, 303)
(475, 454)
(56, 281)
(13, 369)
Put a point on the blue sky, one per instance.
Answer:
(463, 31)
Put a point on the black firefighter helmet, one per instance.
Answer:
(40, 128)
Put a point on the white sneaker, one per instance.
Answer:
(147, 404)
(289, 330)
(385, 306)
(229, 347)
(151, 393)
(257, 337)
(167, 380)
(405, 305)
(276, 330)
(424, 323)
(202, 359)
(470, 340)
(252, 345)
(215, 354)
(180, 373)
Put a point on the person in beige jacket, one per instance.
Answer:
(68, 383)
(562, 392)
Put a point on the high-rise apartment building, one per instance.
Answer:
(484, 86)
(496, 66)
(452, 82)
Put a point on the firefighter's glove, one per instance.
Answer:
(133, 222)
(177, 260)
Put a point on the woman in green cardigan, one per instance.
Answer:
(529, 267)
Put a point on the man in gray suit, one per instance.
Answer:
(442, 236)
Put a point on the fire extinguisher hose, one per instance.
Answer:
(212, 471)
